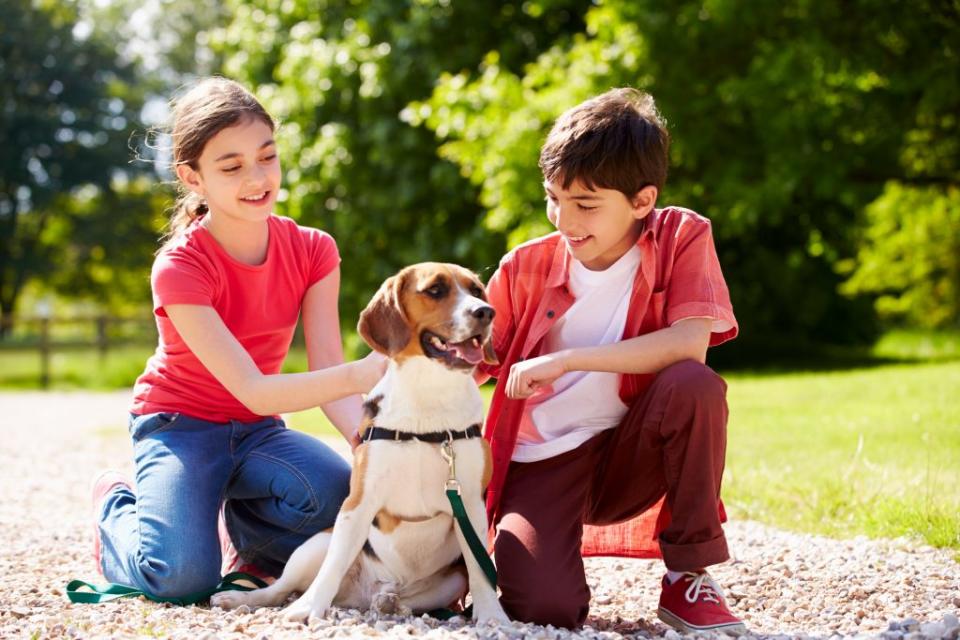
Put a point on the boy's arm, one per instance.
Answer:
(649, 353)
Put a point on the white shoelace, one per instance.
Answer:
(701, 584)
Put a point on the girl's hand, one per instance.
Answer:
(368, 371)
(354, 441)
(530, 375)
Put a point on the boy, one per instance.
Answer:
(604, 411)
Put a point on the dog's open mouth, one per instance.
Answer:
(468, 353)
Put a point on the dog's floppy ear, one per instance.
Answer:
(383, 324)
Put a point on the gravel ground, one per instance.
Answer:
(782, 584)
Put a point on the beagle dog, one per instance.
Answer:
(395, 543)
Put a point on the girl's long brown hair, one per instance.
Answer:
(211, 105)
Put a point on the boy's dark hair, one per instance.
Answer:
(614, 141)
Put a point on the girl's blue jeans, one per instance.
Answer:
(279, 486)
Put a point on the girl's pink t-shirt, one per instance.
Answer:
(259, 304)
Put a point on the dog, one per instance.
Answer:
(395, 543)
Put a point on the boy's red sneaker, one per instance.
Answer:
(230, 560)
(695, 603)
(101, 487)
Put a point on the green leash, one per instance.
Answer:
(476, 546)
(82, 592)
(460, 513)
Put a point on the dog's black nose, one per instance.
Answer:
(484, 314)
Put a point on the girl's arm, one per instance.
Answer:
(221, 353)
(321, 328)
(651, 352)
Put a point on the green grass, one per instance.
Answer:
(74, 368)
(907, 344)
(867, 451)
(312, 421)
(873, 450)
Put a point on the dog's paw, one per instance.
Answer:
(301, 610)
(490, 614)
(385, 603)
(228, 599)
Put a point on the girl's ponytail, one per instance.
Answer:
(189, 207)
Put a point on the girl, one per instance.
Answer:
(228, 286)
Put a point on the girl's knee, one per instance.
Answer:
(178, 578)
(316, 490)
(331, 493)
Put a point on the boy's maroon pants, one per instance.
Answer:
(672, 441)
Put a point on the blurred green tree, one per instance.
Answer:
(105, 240)
(787, 120)
(910, 256)
(68, 104)
(338, 75)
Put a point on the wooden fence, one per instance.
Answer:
(47, 334)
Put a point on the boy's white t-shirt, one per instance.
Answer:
(581, 404)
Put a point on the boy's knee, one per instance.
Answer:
(693, 379)
(550, 607)
(539, 592)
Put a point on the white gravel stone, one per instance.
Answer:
(783, 584)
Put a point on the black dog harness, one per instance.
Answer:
(433, 437)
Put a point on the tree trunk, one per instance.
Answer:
(6, 320)
(8, 230)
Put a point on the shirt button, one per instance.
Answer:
(550, 313)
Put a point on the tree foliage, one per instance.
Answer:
(67, 108)
(910, 256)
(105, 240)
(338, 75)
(787, 120)
(820, 137)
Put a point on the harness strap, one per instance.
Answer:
(433, 437)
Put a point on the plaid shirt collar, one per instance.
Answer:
(560, 268)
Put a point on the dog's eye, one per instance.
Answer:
(476, 291)
(435, 292)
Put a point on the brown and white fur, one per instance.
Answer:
(433, 322)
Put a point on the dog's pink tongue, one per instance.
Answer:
(466, 351)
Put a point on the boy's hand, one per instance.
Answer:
(530, 375)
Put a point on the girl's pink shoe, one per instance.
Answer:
(101, 487)
(231, 561)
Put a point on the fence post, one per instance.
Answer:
(102, 337)
(44, 351)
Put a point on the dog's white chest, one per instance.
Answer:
(413, 533)
(413, 475)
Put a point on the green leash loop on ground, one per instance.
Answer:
(82, 592)
(446, 614)
(477, 547)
